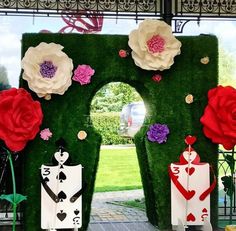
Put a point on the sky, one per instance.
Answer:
(12, 28)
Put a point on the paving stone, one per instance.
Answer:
(111, 217)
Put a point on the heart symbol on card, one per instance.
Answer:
(189, 140)
(190, 194)
(204, 210)
(190, 171)
(191, 217)
(189, 156)
(61, 216)
(61, 157)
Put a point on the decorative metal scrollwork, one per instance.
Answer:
(179, 25)
(177, 11)
(210, 8)
(26, 4)
(87, 5)
(68, 4)
(190, 5)
(48, 4)
(146, 5)
(7, 4)
(149, 7)
(229, 7)
(127, 5)
(107, 5)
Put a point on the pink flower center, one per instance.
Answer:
(156, 44)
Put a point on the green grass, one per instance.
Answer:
(137, 203)
(118, 170)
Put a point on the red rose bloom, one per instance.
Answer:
(219, 119)
(20, 118)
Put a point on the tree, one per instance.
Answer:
(227, 64)
(4, 84)
(113, 96)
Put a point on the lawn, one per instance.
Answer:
(118, 170)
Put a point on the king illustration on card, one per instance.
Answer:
(190, 189)
(61, 193)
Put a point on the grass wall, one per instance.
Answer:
(165, 103)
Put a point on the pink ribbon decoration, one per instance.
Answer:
(84, 22)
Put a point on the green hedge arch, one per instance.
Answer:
(165, 102)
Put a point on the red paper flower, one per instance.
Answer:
(156, 78)
(123, 53)
(21, 117)
(219, 119)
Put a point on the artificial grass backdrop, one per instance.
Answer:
(165, 102)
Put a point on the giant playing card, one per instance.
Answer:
(61, 199)
(190, 189)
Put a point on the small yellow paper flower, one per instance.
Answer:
(205, 60)
(189, 99)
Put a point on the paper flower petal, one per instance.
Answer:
(47, 69)
(153, 45)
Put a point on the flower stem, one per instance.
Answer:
(231, 191)
(14, 190)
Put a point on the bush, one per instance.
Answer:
(107, 124)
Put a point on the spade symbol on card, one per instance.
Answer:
(61, 176)
(45, 179)
(76, 212)
(61, 216)
(62, 196)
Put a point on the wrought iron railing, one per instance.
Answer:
(224, 199)
(176, 12)
(205, 8)
(121, 8)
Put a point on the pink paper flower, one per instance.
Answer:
(45, 134)
(156, 44)
(156, 78)
(123, 53)
(83, 73)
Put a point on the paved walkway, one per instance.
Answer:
(106, 216)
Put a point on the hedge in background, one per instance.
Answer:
(107, 124)
(164, 101)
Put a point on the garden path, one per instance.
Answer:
(106, 216)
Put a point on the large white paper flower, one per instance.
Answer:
(153, 45)
(47, 69)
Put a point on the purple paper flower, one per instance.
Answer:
(158, 133)
(47, 69)
(83, 73)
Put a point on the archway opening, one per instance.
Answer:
(117, 113)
